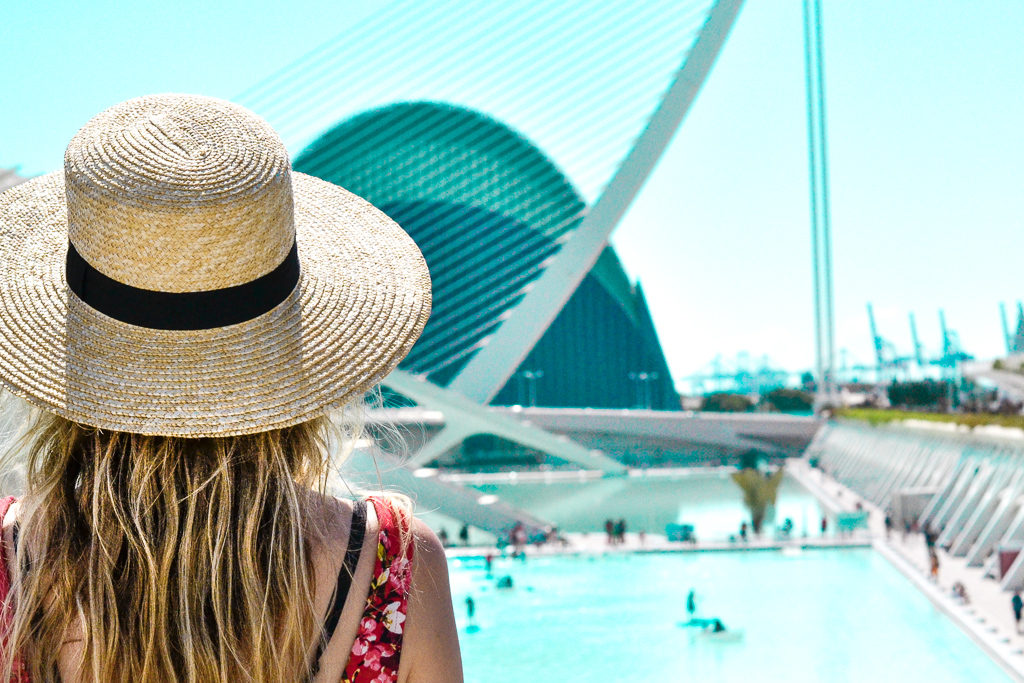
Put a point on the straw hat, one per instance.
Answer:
(177, 278)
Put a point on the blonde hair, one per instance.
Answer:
(170, 558)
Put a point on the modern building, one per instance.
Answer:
(490, 211)
(510, 159)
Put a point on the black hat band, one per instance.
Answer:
(182, 310)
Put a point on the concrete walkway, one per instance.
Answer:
(987, 618)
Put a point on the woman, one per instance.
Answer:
(185, 311)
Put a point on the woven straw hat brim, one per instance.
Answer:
(362, 300)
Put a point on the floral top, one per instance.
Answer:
(378, 646)
(20, 674)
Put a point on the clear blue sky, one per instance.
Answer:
(925, 106)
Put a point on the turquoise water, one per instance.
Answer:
(821, 615)
(710, 501)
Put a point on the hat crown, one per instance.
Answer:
(179, 193)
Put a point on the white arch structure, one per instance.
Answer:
(493, 364)
(545, 96)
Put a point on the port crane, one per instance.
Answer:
(1015, 341)
(888, 362)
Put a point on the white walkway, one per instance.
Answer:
(987, 619)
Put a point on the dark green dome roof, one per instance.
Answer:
(430, 151)
(489, 211)
(485, 206)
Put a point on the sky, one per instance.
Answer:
(925, 104)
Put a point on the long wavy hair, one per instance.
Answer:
(169, 559)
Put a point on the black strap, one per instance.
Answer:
(348, 569)
(181, 310)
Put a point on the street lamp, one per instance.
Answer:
(531, 377)
(643, 387)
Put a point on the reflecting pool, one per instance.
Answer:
(708, 500)
(816, 615)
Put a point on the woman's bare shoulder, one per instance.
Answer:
(429, 553)
(431, 639)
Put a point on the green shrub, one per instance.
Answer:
(923, 394)
(790, 400)
(724, 402)
(877, 416)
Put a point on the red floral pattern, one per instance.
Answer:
(20, 674)
(378, 647)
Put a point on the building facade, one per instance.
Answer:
(490, 211)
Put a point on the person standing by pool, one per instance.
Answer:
(470, 608)
(519, 539)
(184, 311)
(1018, 607)
(691, 603)
(930, 537)
(464, 535)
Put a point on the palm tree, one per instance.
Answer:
(759, 492)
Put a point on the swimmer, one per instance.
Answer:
(714, 625)
(714, 629)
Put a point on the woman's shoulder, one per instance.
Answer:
(427, 545)
(383, 514)
(391, 514)
(432, 644)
